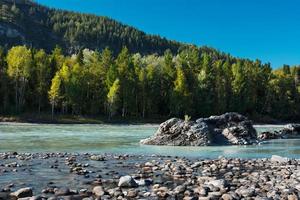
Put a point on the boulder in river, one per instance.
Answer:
(288, 131)
(267, 135)
(226, 129)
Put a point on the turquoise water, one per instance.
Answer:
(125, 139)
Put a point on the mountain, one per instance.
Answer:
(28, 23)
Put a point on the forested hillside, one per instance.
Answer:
(138, 75)
(23, 22)
(196, 82)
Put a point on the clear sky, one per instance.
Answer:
(268, 30)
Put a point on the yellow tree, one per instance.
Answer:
(54, 92)
(19, 62)
(113, 97)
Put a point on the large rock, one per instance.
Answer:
(267, 135)
(226, 129)
(288, 131)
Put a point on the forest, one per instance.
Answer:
(34, 25)
(195, 81)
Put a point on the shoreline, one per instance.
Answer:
(122, 176)
(78, 119)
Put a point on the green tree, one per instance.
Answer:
(43, 76)
(181, 95)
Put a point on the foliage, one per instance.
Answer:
(195, 82)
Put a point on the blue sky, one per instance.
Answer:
(268, 30)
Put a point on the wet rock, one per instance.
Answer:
(4, 196)
(227, 129)
(62, 191)
(23, 192)
(127, 181)
(269, 135)
(144, 182)
(97, 158)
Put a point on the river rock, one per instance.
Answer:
(97, 158)
(226, 129)
(290, 131)
(279, 159)
(267, 135)
(127, 181)
(23, 192)
(98, 191)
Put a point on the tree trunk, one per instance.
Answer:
(52, 110)
(16, 96)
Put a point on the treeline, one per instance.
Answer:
(196, 82)
(41, 27)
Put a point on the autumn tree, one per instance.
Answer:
(19, 61)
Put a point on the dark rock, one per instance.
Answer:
(269, 135)
(127, 181)
(62, 191)
(226, 129)
(23, 192)
(290, 131)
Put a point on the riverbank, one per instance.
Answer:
(76, 119)
(90, 176)
(46, 118)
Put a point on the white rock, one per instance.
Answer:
(279, 159)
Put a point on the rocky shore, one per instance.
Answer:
(54, 176)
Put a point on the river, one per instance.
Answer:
(125, 139)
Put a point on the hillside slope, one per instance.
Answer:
(25, 22)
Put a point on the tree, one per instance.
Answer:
(19, 62)
(181, 95)
(4, 83)
(113, 98)
(43, 72)
(126, 76)
(54, 92)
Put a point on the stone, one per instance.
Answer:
(98, 191)
(226, 129)
(127, 181)
(279, 159)
(227, 197)
(292, 197)
(269, 135)
(220, 183)
(97, 158)
(180, 189)
(32, 198)
(62, 191)
(23, 192)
